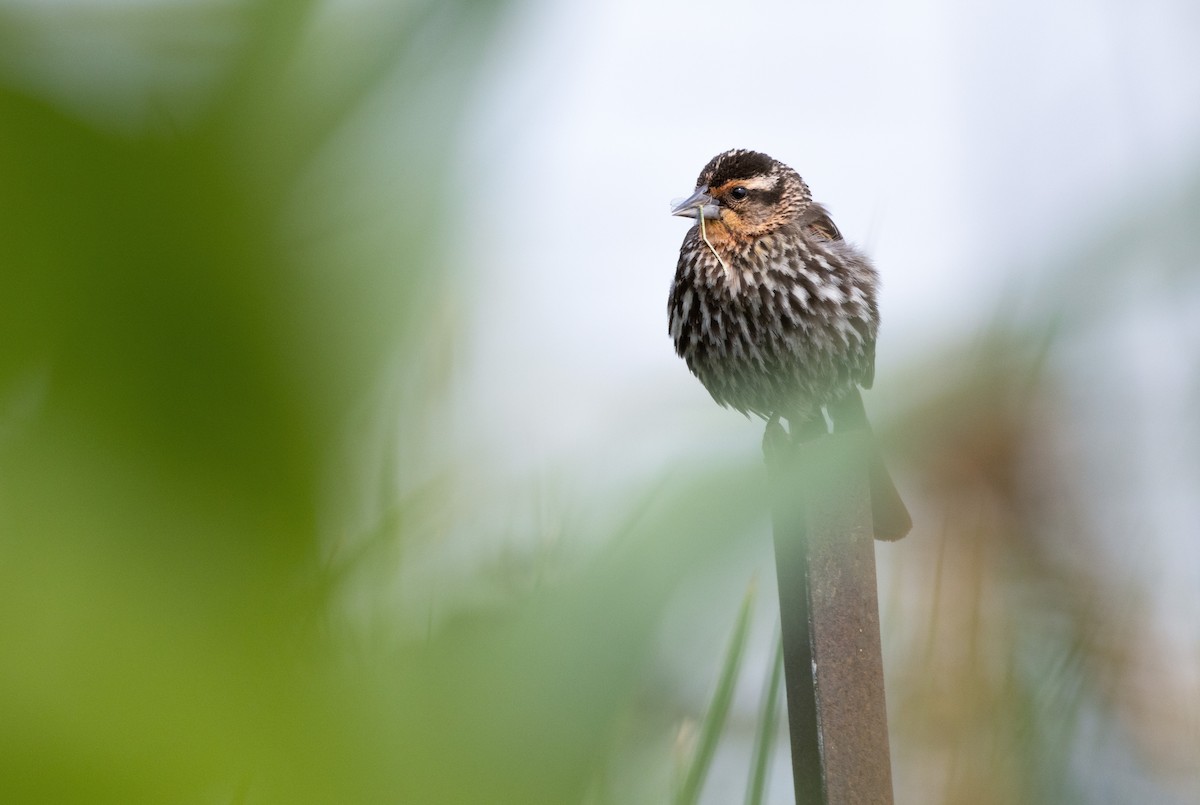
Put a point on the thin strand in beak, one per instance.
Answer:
(704, 235)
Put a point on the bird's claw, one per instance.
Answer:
(776, 443)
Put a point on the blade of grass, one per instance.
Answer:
(718, 709)
(768, 719)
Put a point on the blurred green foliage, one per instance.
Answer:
(184, 331)
(692, 782)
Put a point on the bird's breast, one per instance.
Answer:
(774, 302)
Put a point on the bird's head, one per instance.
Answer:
(744, 194)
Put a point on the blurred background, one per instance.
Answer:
(344, 456)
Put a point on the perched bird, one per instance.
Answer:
(776, 313)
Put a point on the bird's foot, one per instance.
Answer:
(776, 442)
(807, 430)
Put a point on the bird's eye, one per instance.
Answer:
(738, 193)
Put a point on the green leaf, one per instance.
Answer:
(768, 718)
(718, 710)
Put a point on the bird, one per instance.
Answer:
(776, 314)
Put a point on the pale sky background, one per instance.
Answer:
(962, 147)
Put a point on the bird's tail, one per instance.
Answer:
(891, 518)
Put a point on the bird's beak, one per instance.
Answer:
(697, 204)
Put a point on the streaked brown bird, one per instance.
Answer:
(776, 313)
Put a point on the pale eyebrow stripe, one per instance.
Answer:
(753, 183)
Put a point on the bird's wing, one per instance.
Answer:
(816, 218)
(868, 378)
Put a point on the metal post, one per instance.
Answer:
(825, 561)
